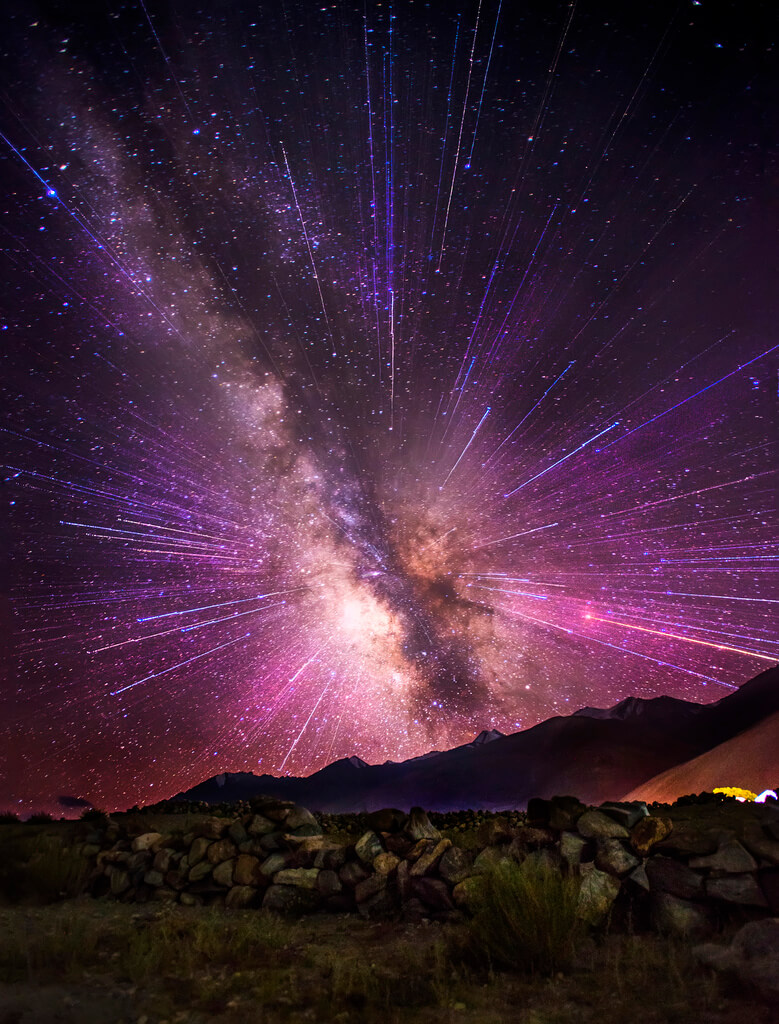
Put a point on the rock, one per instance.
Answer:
(679, 917)
(532, 838)
(418, 826)
(165, 896)
(199, 871)
(415, 910)
(430, 858)
(304, 878)
(369, 887)
(494, 831)
(489, 859)
(331, 856)
(597, 825)
(597, 893)
(751, 957)
(271, 842)
(237, 833)
(120, 881)
(730, 858)
(188, 899)
(242, 896)
(564, 812)
(468, 894)
(769, 883)
(145, 841)
(276, 862)
(368, 847)
(353, 872)
(299, 817)
(162, 860)
(673, 877)
(290, 900)
(455, 865)
(571, 848)
(276, 810)
(389, 819)
(379, 906)
(260, 826)
(211, 828)
(639, 877)
(398, 843)
(742, 889)
(329, 884)
(176, 879)
(385, 863)
(247, 871)
(614, 858)
(154, 878)
(198, 850)
(432, 892)
(539, 812)
(420, 847)
(687, 841)
(627, 815)
(759, 844)
(223, 849)
(648, 831)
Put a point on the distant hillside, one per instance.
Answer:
(595, 754)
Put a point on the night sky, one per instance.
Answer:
(376, 375)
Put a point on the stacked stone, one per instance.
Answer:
(277, 857)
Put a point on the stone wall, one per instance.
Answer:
(683, 877)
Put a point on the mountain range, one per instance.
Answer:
(654, 749)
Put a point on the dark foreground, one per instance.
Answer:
(94, 962)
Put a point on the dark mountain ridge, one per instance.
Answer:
(594, 754)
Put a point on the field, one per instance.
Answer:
(77, 960)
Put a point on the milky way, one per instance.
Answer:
(377, 375)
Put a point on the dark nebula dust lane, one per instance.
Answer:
(377, 374)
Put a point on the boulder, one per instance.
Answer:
(572, 847)
(679, 917)
(418, 825)
(388, 819)
(769, 883)
(247, 871)
(237, 833)
(385, 863)
(120, 881)
(223, 849)
(489, 859)
(494, 831)
(433, 892)
(742, 889)
(189, 899)
(638, 877)
(673, 877)
(403, 880)
(331, 856)
(290, 900)
(420, 846)
(614, 858)
(751, 957)
(198, 850)
(154, 878)
(597, 825)
(329, 884)
(303, 878)
(242, 896)
(597, 893)
(730, 858)
(211, 828)
(455, 865)
(369, 887)
(648, 831)
(199, 871)
(688, 841)
(539, 812)
(145, 842)
(368, 847)
(759, 844)
(162, 860)
(430, 858)
(275, 862)
(564, 812)
(468, 894)
(260, 825)
(297, 818)
(628, 814)
(353, 872)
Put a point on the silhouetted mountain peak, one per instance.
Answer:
(486, 736)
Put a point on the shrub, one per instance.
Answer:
(41, 869)
(8, 818)
(41, 818)
(526, 917)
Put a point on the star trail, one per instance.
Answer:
(377, 374)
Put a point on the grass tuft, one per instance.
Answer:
(526, 918)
